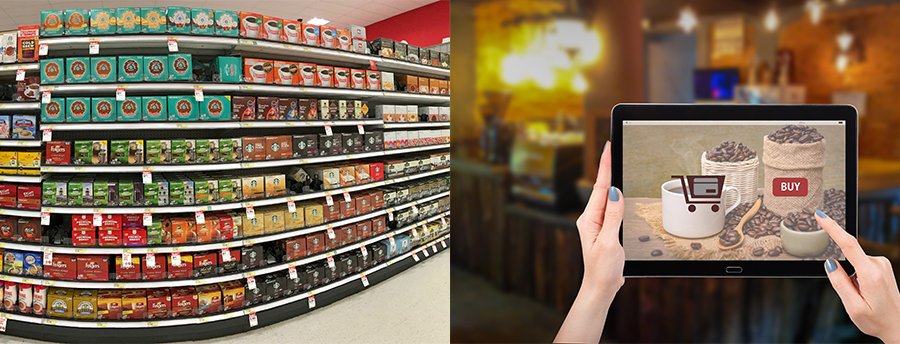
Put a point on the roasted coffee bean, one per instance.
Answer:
(644, 238)
(729, 151)
(796, 133)
(758, 251)
(774, 253)
(656, 253)
(836, 206)
(803, 221)
(730, 238)
(695, 245)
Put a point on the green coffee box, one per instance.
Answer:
(203, 150)
(101, 192)
(154, 108)
(178, 19)
(153, 20)
(226, 193)
(201, 191)
(151, 193)
(54, 111)
(154, 152)
(128, 20)
(118, 152)
(48, 192)
(77, 21)
(176, 192)
(225, 150)
(203, 21)
(103, 69)
(131, 68)
(78, 69)
(77, 109)
(126, 192)
(103, 109)
(183, 108)
(155, 68)
(83, 152)
(215, 108)
(227, 69)
(178, 151)
(52, 71)
(52, 23)
(226, 22)
(154, 233)
(129, 110)
(180, 67)
(74, 192)
(103, 21)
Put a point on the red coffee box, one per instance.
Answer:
(376, 171)
(132, 220)
(84, 237)
(82, 222)
(109, 237)
(30, 229)
(159, 303)
(93, 267)
(378, 225)
(206, 264)
(132, 272)
(315, 243)
(364, 229)
(184, 301)
(226, 230)
(134, 304)
(8, 195)
(134, 236)
(111, 222)
(358, 79)
(337, 241)
(9, 228)
(109, 304)
(185, 270)
(59, 152)
(294, 248)
(63, 266)
(156, 271)
(324, 75)
(29, 197)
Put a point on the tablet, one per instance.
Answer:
(730, 190)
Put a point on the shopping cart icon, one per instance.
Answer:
(702, 190)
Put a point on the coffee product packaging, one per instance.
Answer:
(28, 89)
(93, 267)
(178, 19)
(131, 68)
(324, 76)
(291, 31)
(154, 108)
(180, 67)
(342, 40)
(77, 21)
(103, 109)
(267, 108)
(78, 70)
(387, 81)
(184, 301)
(271, 28)
(159, 303)
(306, 74)
(373, 80)
(423, 85)
(58, 152)
(209, 299)
(243, 108)
(103, 21)
(412, 53)
(183, 108)
(399, 50)
(310, 35)
(278, 147)
(357, 32)
(360, 46)
(128, 272)
(202, 21)
(341, 77)
(54, 111)
(52, 71)
(286, 73)
(358, 79)
(227, 69)
(306, 109)
(155, 270)
(9, 43)
(128, 20)
(250, 24)
(29, 197)
(33, 264)
(215, 108)
(155, 68)
(226, 22)
(62, 267)
(258, 71)
(59, 301)
(287, 109)
(129, 110)
(327, 36)
(383, 47)
(103, 69)
(52, 23)
(134, 304)
(153, 20)
(28, 43)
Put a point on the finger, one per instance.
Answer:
(612, 218)
(596, 206)
(845, 288)
(848, 244)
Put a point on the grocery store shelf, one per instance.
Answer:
(20, 107)
(416, 125)
(292, 162)
(10, 69)
(305, 52)
(414, 98)
(20, 212)
(281, 124)
(415, 149)
(405, 67)
(55, 44)
(139, 168)
(138, 88)
(20, 143)
(20, 179)
(305, 91)
(140, 126)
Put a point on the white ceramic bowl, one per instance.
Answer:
(803, 244)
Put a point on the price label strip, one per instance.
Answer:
(365, 281)
(98, 220)
(151, 260)
(251, 282)
(251, 214)
(312, 301)
(201, 219)
(173, 45)
(253, 320)
(292, 207)
(47, 135)
(329, 200)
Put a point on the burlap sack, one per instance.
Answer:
(794, 160)
(743, 175)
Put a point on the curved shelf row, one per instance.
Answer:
(20, 107)
(21, 179)
(201, 125)
(19, 143)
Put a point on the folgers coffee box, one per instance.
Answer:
(109, 304)
(324, 75)
(52, 71)
(232, 295)
(259, 71)
(271, 29)
(59, 302)
(178, 19)
(250, 24)
(131, 68)
(310, 35)
(209, 299)
(63, 266)
(103, 69)
(104, 109)
(267, 108)
(153, 20)
(227, 69)
(202, 21)
(291, 31)
(373, 80)
(184, 301)
(103, 21)
(226, 22)
(129, 110)
(233, 264)
(156, 68)
(78, 70)
(128, 272)
(183, 108)
(315, 243)
(128, 20)
(159, 303)
(77, 109)
(52, 23)
(206, 264)
(59, 152)
(184, 269)
(134, 304)
(243, 108)
(307, 74)
(154, 108)
(180, 67)
(154, 269)
(215, 108)
(93, 267)
(286, 73)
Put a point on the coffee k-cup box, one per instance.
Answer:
(77, 21)
(306, 74)
(52, 23)
(271, 29)
(227, 69)
(103, 69)
(215, 108)
(327, 36)
(258, 71)
(183, 108)
(52, 71)
(104, 109)
(180, 67)
(358, 79)
(103, 21)
(155, 68)
(28, 43)
(155, 108)
(286, 73)
(310, 34)
(203, 21)
(153, 20)
(291, 31)
(78, 70)
(243, 108)
(383, 47)
(131, 69)
(128, 20)
(178, 19)
(341, 77)
(343, 41)
(306, 109)
(78, 109)
(250, 24)
(129, 110)
(226, 22)
(54, 111)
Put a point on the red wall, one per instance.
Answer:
(423, 27)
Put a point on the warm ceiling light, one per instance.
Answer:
(579, 83)
(645, 23)
(841, 2)
(841, 62)
(687, 20)
(815, 8)
(318, 21)
(845, 39)
(771, 20)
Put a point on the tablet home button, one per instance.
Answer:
(734, 269)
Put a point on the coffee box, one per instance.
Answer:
(306, 74)
(52, 23)
(129, 110)
(399, 51)
(104, 109)
(52, 71)
(128, 20)
(373, 80)
(315, 243)
(153, 20)
(183, 108)
(387, 81)
(362, 173)
(93, 267)
(425, 56)
(343, 41)
(233, 264)
(331, 213)
(8, 196)
(156, 68)
(253, 187)
(305, 146)
(54, 111)
(227, 69)
(275, 184)
(267, 108)
(310, 34)
(78, 70)
(434, 86)
(364, 229)
(312, 213)
(29, 197)
(63, 266)
(250, 24)
(294, 248)
(134, 236)
(24, 127)
(134, 304)
(328, 109)
(243, 108)
(103, 69)
(178, 19)
(185, 270)
(159, 303)
(255, 226)
(286, 73)
(435, 58)
(358, 79)
(254, 148)
(9, 45)
(291, 30)
(77, 109)
(154, 108)
(412, 53)
(109, 304)
(294, 220)
(271, 28)
(30, 230)
(273, 219)
(60, 302)
(180, 67)
(184, 301)
(28, 89)
(252, 257)
(343, 112)
(131, 68)
(383, 47)
(209, 299)
(232, 295)
(324, 75)
(307, 109)
(28, 43)
(360, 46)
(287, 109)
(202, 21)
(206, 264)
(215, 108)
(348, 209)
(411, 83)
(445, 60)
(103, 21)
(131, 272)
(342, 77)
(327, 36)
(226, 22)
(424, 85)
(278, 147)
(156, 269)
(329, 145)
(258, 71)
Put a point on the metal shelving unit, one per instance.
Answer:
(19, 143)
(20, 107)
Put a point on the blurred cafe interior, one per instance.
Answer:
(535, 83)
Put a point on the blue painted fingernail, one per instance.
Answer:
(821, 214)
(606, 145)
(613, 194)
(830, 265)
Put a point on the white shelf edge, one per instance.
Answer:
(392, 125)
(280, 124)
(140, 126)
(19, 143)
(20, 212)
(20, 179)
(138, 168)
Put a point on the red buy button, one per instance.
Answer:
(789, 187)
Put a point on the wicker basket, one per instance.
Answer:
(743, 175)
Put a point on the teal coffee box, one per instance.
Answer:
(128, 20)
(215, 108)
(180, 67)
(54, 111)
(227, 69)
(103, 109)
(103, 69)
(77, 109)
(155, 68)
(78, 69)
(103, 21)
(129, 110)
(183, 108)
(155, 108)
(131, 68)
(52, 23)
(52, 71)
(178, 19)
(153, 20)
(226, 23)
(203, 21)
(77, 21)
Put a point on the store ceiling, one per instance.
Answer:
(665, 10)
(340, 12)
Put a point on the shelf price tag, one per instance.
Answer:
(372, 65)
(253, 320)
(20, 74)
(329, 200)
(390, 216)
(146, 177)
(415, 210)
(199, 216)
(45, 218)
(45, 97)
(425, 252)
(251, 282)
(48, 258)
(328, 131)
(94, 47)
(330, 262)
(359, 127)
(47, 135)
(346, 197)
(251, 214)
(148, 219)
(312, 301)
(98, 220)
(120, 94)
(443, 221)
(226, 255)
(364, 251)
(198, 94)
(330, 232)
(433, 248)
(2, 324)
(393, 244)
(365, 281)
(43, 48)
(151, 260)
(292, 272)
(292, 208)
(443, 243)
(173, 45)
(415, 256)
(126, 260)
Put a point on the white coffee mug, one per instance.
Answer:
(345, 42)
(258, 74)
(310, 36)
(693, 220)
(290, 30)
(285, 75)
(251, 28)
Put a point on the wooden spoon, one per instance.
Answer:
(740, 226)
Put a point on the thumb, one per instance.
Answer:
(612, 218)
(841, 282)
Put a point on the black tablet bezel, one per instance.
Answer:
(787, 113)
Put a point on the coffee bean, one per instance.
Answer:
(695, 245)
(803, 221)
(729, 151)
(774, 253)
(796, 133)
(644, 238)
(758, 251)
(656, 253)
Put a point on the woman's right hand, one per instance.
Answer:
(870, 296)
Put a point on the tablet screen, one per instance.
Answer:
(731, 190)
